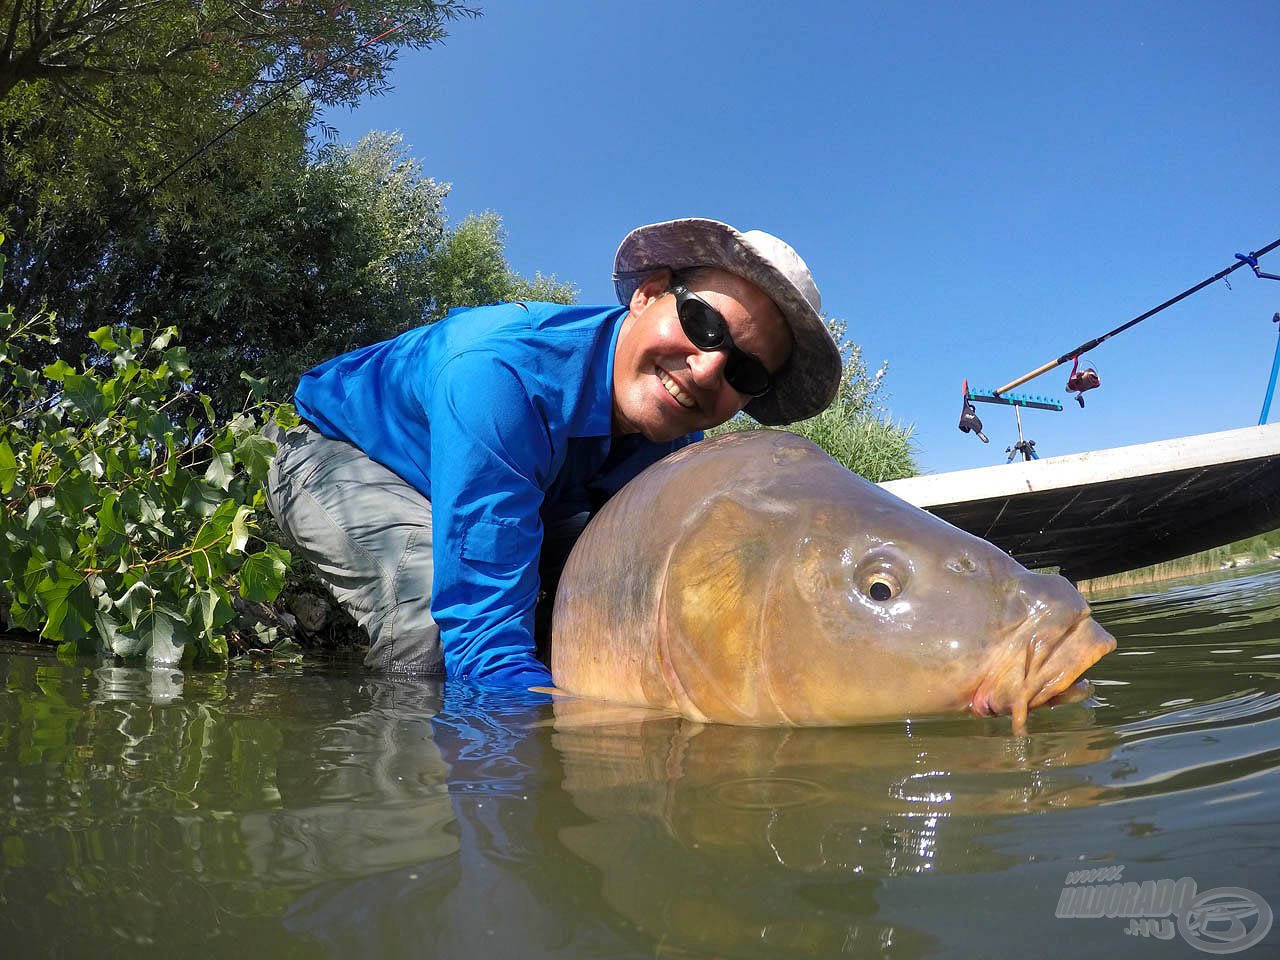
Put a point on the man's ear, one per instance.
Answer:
(654, 286)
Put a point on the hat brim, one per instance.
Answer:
(811, 377)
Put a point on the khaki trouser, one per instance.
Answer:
(367, 533)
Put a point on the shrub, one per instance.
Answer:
(127, 512)
(855, 429)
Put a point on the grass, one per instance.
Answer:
(1257, 549)
(855, 429)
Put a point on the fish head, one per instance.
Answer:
(835, 602)
(893, 612)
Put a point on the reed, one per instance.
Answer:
(1263, 547)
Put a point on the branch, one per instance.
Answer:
(12, 35)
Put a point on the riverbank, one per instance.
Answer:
(1243, 553)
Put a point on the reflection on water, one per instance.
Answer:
(327, 813)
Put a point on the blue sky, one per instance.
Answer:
(977, 191)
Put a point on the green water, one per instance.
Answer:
(324, 813)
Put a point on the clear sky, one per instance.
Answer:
(978, 188)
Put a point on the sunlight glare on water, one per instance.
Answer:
(327, 813)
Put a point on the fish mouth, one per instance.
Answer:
(1034, 672)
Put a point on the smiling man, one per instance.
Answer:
(439, 479)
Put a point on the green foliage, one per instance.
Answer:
(234, 45)
(280, 272)
(1241, 553)
(271, 254)
(302, 261)
(469, 269)
(127, 513)
(85, 86)
(855, 429)
(872, 447)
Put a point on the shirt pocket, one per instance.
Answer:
(500, 541)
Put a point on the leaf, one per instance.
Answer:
(261, 577)
(108, 628)
(242, 424)
(164, 338)
(153, 515)
(136, 601)
(82, 393)
(201, 498)
(24, 616)
(202, 565)
(286, 416)
(130, 642)
(278, 553)
(166, 634)
(257, 387)
(213, 606)
(221, 470)
(255, 452)
(155, 425)
(67, 605)
(108, 518)
(125, 363)
(102, 337)
(8, 467)
(218, 648)
(240, 530)
(286, 651)
(92, 464)
(214, 528)
(58, 371)
(74, 492)
(177, 360)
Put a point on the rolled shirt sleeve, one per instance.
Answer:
(491, 458)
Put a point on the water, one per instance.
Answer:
(324, 813)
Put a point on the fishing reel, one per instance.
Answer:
(1081, 380)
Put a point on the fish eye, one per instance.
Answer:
(881, 574)
(881, 587)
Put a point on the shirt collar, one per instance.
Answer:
(597, 416)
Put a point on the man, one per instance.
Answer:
(433, 472)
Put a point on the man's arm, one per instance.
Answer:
(490, 456)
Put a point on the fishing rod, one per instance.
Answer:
(1250, 260)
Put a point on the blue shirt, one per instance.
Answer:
(501, 416)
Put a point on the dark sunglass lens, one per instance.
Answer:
(702, 325)
(747, 375)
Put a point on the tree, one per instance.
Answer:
(301, 261)
(470, 269)
(268, 253)
(232, 47)
(100, 100)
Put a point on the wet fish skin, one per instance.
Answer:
(751, 579)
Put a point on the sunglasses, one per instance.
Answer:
(707, 330)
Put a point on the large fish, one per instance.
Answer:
(751, 579)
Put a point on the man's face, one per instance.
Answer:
(664, 386)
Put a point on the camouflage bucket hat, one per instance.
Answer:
(808, 383)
